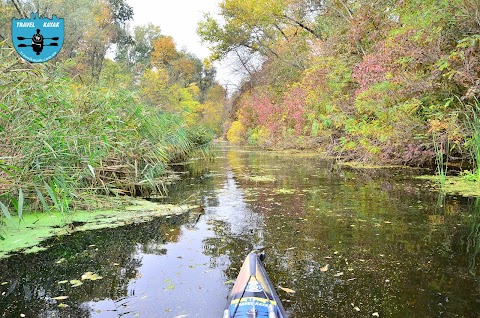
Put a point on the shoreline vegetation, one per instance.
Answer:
(62, 140)
(85, 125)
(394, 82)
(454, 185)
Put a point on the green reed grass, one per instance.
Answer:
(472, 126)
(6, 213)
(18, 204)
(441, 161)
(60, 138)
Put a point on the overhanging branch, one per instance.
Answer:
(302, 25)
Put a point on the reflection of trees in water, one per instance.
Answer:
(465, 243)
(196, 178)
(473, 236)
(403, 268)
(338, 218)
(111, 253)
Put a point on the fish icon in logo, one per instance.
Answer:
(38, 39)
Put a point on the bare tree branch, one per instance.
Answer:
(302, 25)
(18, 9)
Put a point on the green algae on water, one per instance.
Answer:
(37, 227)
(362, 165)
(455, 185)
(284, 191)
(261, 178)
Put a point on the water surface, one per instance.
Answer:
(393, 246)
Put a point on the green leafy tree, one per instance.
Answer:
(136, 55)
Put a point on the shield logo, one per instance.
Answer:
(38, 39)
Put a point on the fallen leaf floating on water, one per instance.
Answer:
(324, 268)
(288, 290)
(91, 276)
(60, 297)
(76, 283)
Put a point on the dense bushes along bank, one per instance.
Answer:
(380, 81)
(61, 139)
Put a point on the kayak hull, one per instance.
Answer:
(253, 294)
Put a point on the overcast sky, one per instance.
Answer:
(179, 19)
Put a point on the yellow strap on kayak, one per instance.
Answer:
(253, 299)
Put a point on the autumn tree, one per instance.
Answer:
(6, 13)
(91, 28)
(137, 54)
(186, 69)
(115, 74)
(212, 114)
(97, 40)
(164, 51)
(207, 80)
(256, 25)
(155, 89)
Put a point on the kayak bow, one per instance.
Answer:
(253, 294)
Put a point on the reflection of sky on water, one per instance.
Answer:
(179, 282)
(184, 281)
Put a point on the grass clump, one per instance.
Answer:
(472, 142)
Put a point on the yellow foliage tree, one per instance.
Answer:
(236, 133)
(96, 40)
(155, 89)
(164, 51)
(183, 70)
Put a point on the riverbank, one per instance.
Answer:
(455, 185)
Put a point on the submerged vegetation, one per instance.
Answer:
(84, 124)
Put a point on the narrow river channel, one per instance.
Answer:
(349, 242)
